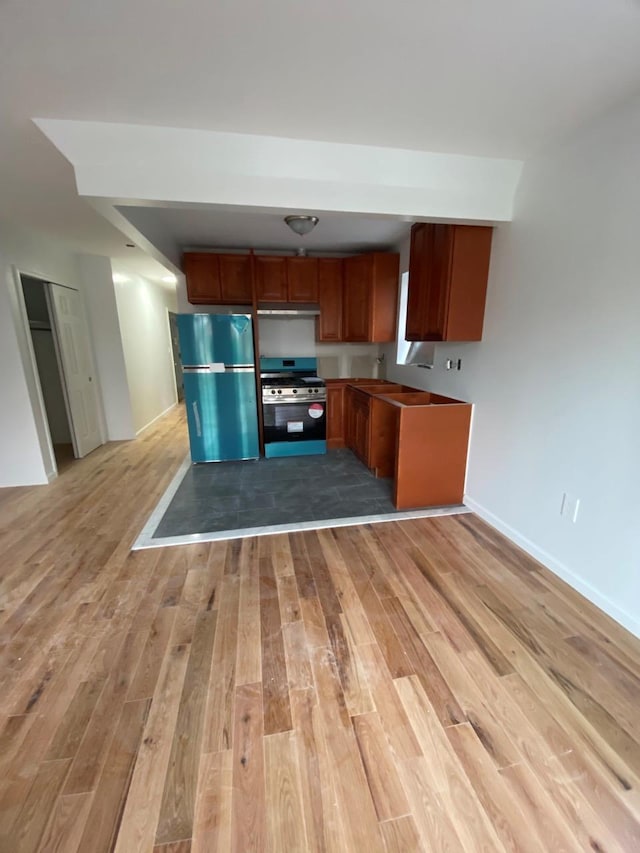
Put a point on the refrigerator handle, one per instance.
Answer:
(196, 418)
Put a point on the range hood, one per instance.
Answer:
(285, 310)
(421, 354)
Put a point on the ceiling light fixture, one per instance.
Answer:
(301, 224)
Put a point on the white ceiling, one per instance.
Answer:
(174, 229)
(487, 77)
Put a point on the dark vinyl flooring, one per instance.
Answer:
(235, 495)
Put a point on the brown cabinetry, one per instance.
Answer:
(330, 291)
(360, 425)
(203, 278)
(448, 272)
(235, 278)
(214, 278)
(370, 301)
(302, 279)
(283, 279)
(358, 298)
(271, 278)
(335, 416)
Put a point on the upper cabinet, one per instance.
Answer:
(330, 290)
(271, 278)
(302, 279)
(235, 278)
(448, 272)
(282, 279)
(214, 278)
(203, 277)
(358, 298)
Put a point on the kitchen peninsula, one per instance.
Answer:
(418, 438)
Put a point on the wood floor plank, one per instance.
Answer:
(249, 831)
(401, 835)
(323, 821)
(31, 821)
(392, 715)
(382, 773)
(179, 798)
(218, 725)
(142, 809)
(275, 691)
(212, 823)
(67, 822)
(89, 760)
(249, 652)
(407, 686)
(107, 805)
(285, 820)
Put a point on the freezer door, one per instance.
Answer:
(216, 339)
(222, 415)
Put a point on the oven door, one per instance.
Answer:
(303, 421)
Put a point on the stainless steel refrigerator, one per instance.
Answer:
(218, 365)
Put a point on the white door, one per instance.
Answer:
(65, 305)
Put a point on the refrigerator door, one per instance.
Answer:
(216, 339)
(221, 414)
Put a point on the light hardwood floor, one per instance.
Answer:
(408, 686)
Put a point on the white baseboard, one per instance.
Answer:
(51, 476)
(157, 418)
(583, 587)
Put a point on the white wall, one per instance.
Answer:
(556, 380)
(142, 309)
(297, 337)
(25, 449)
(96, 276)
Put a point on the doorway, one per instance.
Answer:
(63, 365)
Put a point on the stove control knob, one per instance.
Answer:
(279, 391)
(309, 390)
(273, 391)
(295, 390)
(316, 390)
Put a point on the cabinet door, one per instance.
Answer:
(429, 282)
(203, 278)
(349, 430)
(419, 270)
(235, 278)
(437, 303)
(302, 279)
(357, 298)
(335, 416)
(271, 278)
(361, 431)
(330, 288)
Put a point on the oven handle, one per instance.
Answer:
(273, 401)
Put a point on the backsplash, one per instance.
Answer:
(296, 337)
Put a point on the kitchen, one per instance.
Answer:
(284, 360)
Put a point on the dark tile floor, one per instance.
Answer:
(236, 495)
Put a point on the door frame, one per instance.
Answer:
(32, 376)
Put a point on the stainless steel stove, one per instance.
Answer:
(294, 407)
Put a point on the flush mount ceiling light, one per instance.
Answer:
(301, 224)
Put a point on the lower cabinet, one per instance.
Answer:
(336, 426)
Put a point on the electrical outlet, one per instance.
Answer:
(569, 507)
